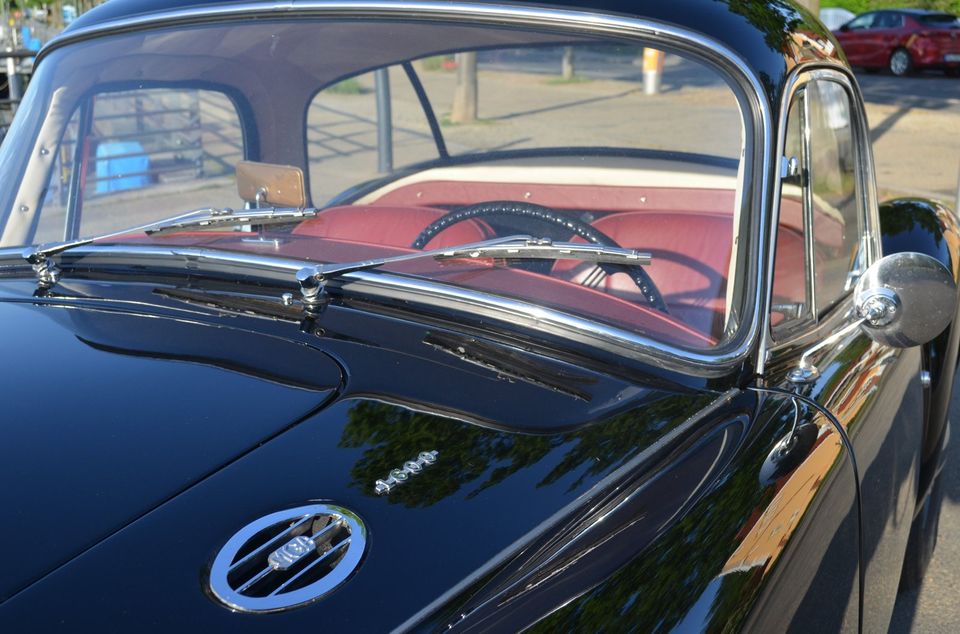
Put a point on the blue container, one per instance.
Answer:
(127, 171)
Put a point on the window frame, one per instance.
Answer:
(816, 327)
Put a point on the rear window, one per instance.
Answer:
(939, 19)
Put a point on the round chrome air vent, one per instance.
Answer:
(288, 559)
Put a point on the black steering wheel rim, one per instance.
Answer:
(576, 227)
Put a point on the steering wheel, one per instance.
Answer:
(519, 209)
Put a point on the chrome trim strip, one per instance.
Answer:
(867, 185)
(755, 110)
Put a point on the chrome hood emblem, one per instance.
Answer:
(402, 474)
(288, 559)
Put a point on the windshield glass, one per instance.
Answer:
(402, 136)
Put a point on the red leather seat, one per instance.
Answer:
(691, 260)
(389, 226)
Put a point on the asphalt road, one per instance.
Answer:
(935, 607)
(929, 90)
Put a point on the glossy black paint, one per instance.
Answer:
(925, 226)
(494, 483)
(657, 464)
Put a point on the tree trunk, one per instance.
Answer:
(465, 96)
(567, 64)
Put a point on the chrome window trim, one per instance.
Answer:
(866, 183)
(755, 110)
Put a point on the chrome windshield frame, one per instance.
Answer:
(758, 166)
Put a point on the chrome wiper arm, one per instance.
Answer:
(212, 218)
(545, 249)
(39, 256)
(313, 279)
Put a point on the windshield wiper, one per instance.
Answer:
(314, 279)
(38, 256)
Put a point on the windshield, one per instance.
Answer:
(399, 137)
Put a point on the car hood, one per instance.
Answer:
(106, 414)
(143, 431)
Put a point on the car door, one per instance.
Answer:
(853, 35)
(882, 38)
(872, 390)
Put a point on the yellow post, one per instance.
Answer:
(652, 70)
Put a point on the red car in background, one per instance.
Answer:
(902, 40)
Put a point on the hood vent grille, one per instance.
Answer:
(288, 559)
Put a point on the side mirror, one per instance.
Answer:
(844, 28)
(906, 299)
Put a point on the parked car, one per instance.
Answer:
(903, 40)
(462, 346)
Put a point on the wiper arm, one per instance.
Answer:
(313, 279)
(48, 273)
(545, 249)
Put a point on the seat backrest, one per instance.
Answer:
(389, 226)
(691, 259)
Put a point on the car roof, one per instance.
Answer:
(770, 37)
(921, 12)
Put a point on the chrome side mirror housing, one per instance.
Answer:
(906, 299)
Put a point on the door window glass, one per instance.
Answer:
(888, 21)
(834, 196)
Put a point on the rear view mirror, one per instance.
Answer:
(906, 299)
(263, 184)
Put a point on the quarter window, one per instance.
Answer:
(821, 209)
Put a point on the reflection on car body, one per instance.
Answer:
(583, 357)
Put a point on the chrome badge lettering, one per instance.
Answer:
(410, 467)
(291, 552)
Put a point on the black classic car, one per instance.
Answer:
(436, 316)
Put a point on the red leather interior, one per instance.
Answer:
(691, 259)
(389, 226)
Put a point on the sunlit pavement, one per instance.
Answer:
(915, 127)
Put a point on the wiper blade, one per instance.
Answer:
(545, 249)
(200, 218)
(313, 279)
(48, 274)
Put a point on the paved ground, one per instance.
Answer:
(935, 607)
(915, 124)
(915, 127)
